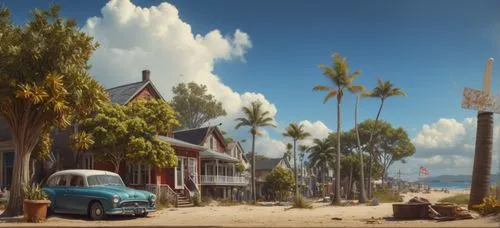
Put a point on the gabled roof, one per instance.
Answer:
(231, 145)
(125, 93)
(268, 164)
(179, 143)
(199, 135)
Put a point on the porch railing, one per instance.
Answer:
(163, 192)
(213, 179)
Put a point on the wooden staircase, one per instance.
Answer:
(183, 201)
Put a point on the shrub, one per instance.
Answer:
(300, 202)
(196, 199)
(387, 196)
(489, 206)
(162, 204)
(460, 199)
(34, 193)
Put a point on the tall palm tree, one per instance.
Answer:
(383, 90)
(288, 153)
(296, 132)
(302, 154)
(362, 197)
(321, 156)
(255, 117)
(341, 78)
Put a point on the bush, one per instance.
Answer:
(162, 204)
(3, 203)
(387, 196)
(460, 199)
(300, 202)
(34, 193)
(196, 199)
(489, 206)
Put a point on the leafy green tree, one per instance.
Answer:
(80, 143)
(194, 105)
(255, 117)
(296, 132)
(129, 133)
(240, 168)
(45, 84)
(321, 156)
(280, 181)
(383, 90)
(342, 79)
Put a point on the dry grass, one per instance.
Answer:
(459, 199)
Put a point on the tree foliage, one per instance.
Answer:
(45, 84)
(342, 78)
(281, 181)
(130, 133)
(194, 105)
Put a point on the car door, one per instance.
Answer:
(77, 195)
(60, 189)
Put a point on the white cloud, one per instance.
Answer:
(447, 147)
(317, 130)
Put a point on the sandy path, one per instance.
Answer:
(277, 216)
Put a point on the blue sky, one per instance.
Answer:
(431, 49)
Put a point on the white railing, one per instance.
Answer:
(212, 179)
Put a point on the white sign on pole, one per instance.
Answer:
(480, 101)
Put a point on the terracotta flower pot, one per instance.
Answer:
(35, 210)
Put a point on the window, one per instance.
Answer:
(88, 161)
(104, 180)
(76, 181)
(140, 174)
(54, 181)
(193, 169)
(62, 181)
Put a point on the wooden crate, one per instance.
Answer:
(408, 211)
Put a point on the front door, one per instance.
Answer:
(179, 173)
(193, 169)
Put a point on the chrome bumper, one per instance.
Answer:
(130, 210)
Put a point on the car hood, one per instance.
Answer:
(124, 192)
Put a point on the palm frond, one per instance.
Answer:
(331, 94)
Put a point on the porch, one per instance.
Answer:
(220, 172)
(224, 180)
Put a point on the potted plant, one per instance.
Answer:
(35, 203)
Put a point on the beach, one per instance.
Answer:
(322, 215)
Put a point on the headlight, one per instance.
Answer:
(153, 198)
(116, 199)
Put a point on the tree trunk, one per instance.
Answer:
(295, 169)
(336, 199)
(482, 158)
(254, 194)
(370, 149)
(349, 187)
(20, 178)
(323, 190)
(362, 197)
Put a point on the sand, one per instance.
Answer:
(273, 216)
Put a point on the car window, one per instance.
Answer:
(104, 180)
(62, 181)
(76, 181)
(54, 181)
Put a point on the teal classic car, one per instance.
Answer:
(96, 193)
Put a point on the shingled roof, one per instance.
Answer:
(123, 94)
(198, 135)
(267, 164)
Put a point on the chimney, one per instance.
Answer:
(145, 75)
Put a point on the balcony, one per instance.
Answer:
(223, 180)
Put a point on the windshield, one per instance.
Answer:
(104, 180)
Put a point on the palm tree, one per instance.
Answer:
(321, 156)
(255, 117)
(362, 197)
(303, 150)
(342, 79)
(296, 132)
(382, 91)
(288, 153)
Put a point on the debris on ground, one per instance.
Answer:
(418, 200)
(337, 218)
(373, 220)
(439, 212)
(373, 202)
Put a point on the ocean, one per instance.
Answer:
(449, 185)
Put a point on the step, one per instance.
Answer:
(183, 202)
(185, 205)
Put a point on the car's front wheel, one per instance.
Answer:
(145, 214)
(96, 211)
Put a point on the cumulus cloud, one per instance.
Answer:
(317, 130)
(447, 147)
